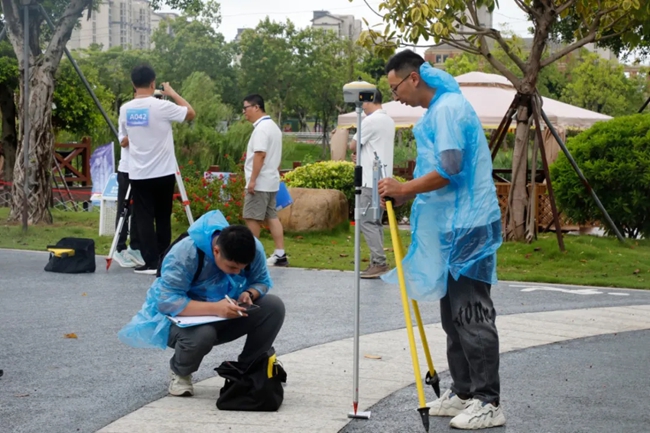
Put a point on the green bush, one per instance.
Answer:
(337, 175)
(324, 175)
(615, 158)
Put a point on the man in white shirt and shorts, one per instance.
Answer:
(147, 121)
(377, 135)
(263, 157)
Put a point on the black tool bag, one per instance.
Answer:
(258, 388)
(81, 260)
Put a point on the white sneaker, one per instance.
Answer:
(123, 259)
(449, 404)
(135, 256)
(276, 260)
(479, 415)
(181, 386)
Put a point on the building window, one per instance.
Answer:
(438, 58)
(444, 58)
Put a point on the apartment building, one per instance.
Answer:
(345, 26)
(125, 23)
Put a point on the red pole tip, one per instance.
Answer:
(355, 405)
(108, 263)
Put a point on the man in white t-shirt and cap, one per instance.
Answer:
(147, 121)
(377, 135)
(263, 157)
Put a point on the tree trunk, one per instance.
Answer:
(326, 153)
(9, 136)
(41, 150)
(280, 115)
(518, 198)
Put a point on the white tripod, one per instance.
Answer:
(125, 211)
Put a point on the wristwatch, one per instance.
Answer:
(250, 294)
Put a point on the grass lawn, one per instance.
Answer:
(589, 260)
(303, 152)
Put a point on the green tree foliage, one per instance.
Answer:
(323, 74)
(114, 70)
(8, 86)
(74, 110)
(201, 141)
(615, 157)
(601, 85)
(191, 44)
(268, 65)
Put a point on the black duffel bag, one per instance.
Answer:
(72, 256)
(257, 388)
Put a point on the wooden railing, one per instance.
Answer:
(74, 162)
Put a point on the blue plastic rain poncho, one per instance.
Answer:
(457, 229)
(170, 294)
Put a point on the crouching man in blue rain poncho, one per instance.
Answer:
(234, 265)
(456, 231)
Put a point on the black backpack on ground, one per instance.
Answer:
(256, 388)
(72, 256)
(199, 251)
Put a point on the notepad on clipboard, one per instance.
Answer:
(187, 321)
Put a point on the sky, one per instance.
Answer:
(247, 13)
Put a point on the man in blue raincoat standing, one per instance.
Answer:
(215, 261)
(456, 231)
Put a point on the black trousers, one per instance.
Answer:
(260, 328)
(122, 187)
(152, 206)
(469, 320)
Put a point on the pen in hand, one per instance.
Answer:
(233, 303)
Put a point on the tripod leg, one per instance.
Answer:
(185, 200)
(397, 247)
(118, 229)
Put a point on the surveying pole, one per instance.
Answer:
(358, 92)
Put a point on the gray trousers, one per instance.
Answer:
(373, 231)
(468, 318)
(193, 343)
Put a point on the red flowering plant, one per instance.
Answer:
(217, 192)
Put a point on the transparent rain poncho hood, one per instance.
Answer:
(170, 294)
(456, 230)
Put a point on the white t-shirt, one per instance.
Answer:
(148, 124)
(266, 137)
(377, 135)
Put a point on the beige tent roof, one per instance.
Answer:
(490, 95)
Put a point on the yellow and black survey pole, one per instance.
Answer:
(432, 376)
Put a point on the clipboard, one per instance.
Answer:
(187, 321)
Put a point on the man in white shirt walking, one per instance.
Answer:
(263, 157)
(147, 121)
(377, 135)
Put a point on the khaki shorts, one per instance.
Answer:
(260, 206)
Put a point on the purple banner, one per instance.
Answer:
(102, 165)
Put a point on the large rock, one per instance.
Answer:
(314, 209)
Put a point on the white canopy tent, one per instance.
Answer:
(491, 96)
